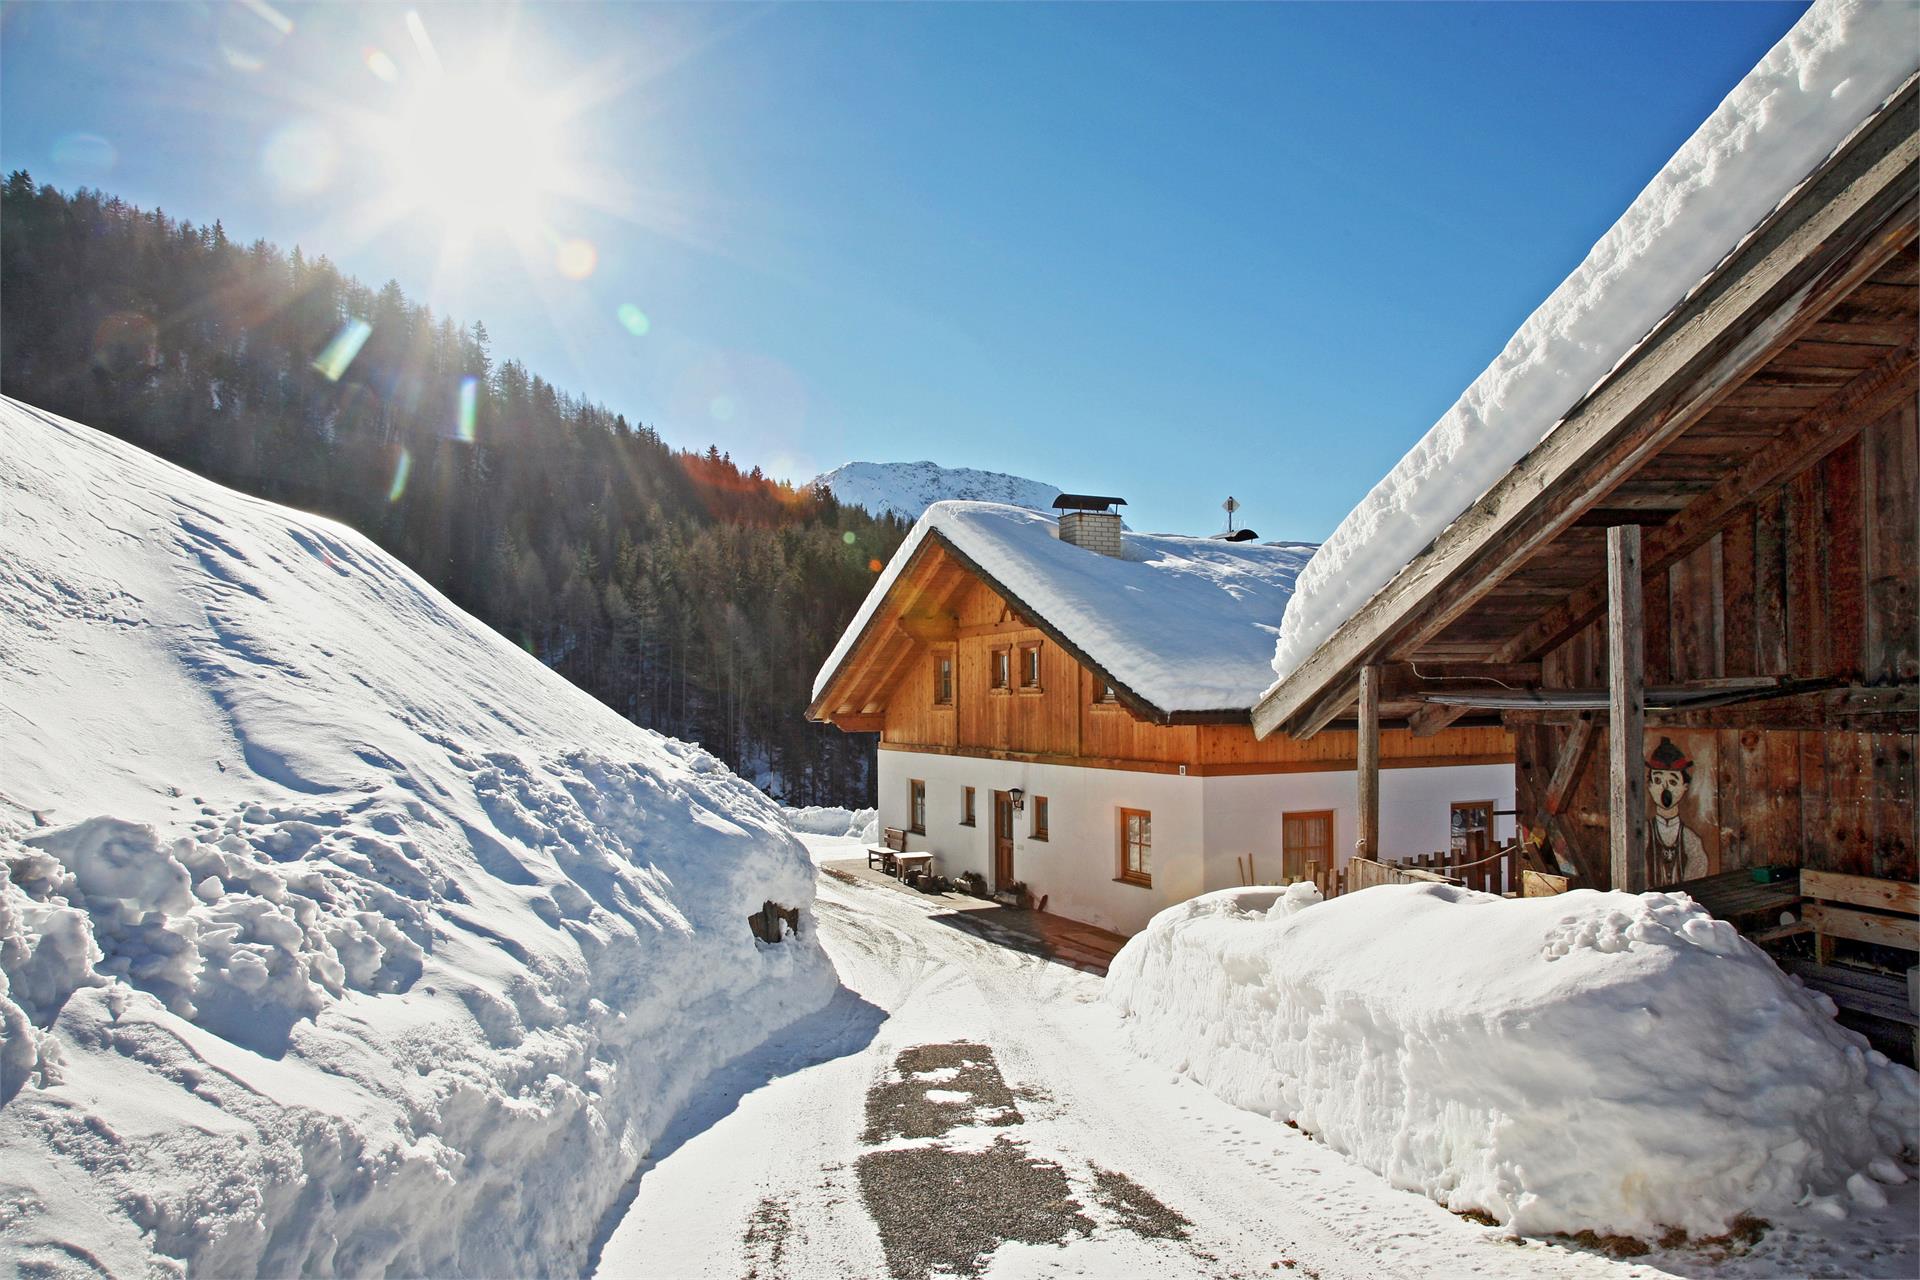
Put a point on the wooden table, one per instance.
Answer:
(903, 862)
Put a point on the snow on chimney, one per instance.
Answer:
(1088, 520)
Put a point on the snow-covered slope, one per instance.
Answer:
(1837, 65)
(906, 489)
(336, 933)
(1620, 1063)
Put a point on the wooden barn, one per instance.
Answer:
(1695, 602)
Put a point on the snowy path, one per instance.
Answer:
(764, 1177)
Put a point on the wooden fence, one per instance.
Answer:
(1495, 872)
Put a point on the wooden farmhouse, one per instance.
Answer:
(1067, 705)
(1694, 603)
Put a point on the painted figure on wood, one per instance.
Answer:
(1674, 850)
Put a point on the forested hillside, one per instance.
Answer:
(691, 596)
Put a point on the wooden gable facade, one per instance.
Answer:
(923, 673)
(1720, 540)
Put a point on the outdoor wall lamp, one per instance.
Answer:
(1019, 799)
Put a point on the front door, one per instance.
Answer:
(1002, 840)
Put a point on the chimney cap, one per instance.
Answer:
(1086, 502)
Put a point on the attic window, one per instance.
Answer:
(1030, 667)
(943, 680)
(1103, 694)
(1002, 669)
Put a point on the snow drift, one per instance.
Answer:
(336, 933)
(832, 820)
(1824, 77)
(1594, 1061)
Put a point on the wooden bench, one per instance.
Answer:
(907, 862)
(1885, 913)
(894, 843)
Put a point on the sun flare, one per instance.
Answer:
(479, 151)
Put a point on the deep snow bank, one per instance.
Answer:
(336, 933)
(1837, 65)
(831, 820)
(1599, 1061)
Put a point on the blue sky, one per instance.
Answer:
(1170, 252)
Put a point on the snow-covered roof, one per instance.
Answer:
(1837, 65)
(1186, 624)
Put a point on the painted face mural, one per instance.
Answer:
(1674, 850)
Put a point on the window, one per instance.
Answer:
(1030, 667)
(1470, 830)
(942, 679)
(966, 806)
(1136, 846)
(1001, 668)
(1103, 694)
(1304, 838)
(917, 806)
(1039, 804)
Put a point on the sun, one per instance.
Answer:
(478, 151)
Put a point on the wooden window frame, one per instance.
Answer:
(1111, 699)
(1482, 805)
(1025, 650)
(1039, 804)
(1143, 879)
(1000, 677)
(966, 807)
(1302, 815)
(917, 806)
(945, 657)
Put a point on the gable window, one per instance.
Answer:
(1039, 804)
(1136, 846)
(917, 807)
(1030, 667)
(966, 806)
(942, 679)
(1103, 694)
(1000, 668)
(1305, 837)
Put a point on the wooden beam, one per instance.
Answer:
(1837, 230)
(1433, 718)
(1627, 712)
(1573, 760)
(1860, 402)
(1331, 705)
(859, 723)
(1855, 709)
(1368, 764)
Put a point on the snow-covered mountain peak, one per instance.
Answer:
(906, 489)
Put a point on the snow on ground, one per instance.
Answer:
(834, 1149)
(1838, 64)
(336, 933)
(1186, 623)
(1607, 1062)
(906, 489)
(831, 820)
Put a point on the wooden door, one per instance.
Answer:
(1002, 840)
(1305, 837)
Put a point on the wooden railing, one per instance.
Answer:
(1495, 872)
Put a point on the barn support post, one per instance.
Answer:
(1627, 711)
(1367, 763)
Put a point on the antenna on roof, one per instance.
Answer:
(1231, 505)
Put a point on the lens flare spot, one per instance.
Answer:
(382, 65)
(875, 566)
(847, 537)
(299, 159)
(83, 157)
(634, 320)
(332, 362)
(469, 414)
(722, 408)
(402, 465)
(576, 259)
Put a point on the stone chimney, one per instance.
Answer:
(1089, 521)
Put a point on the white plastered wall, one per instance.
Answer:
(1199, 824)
